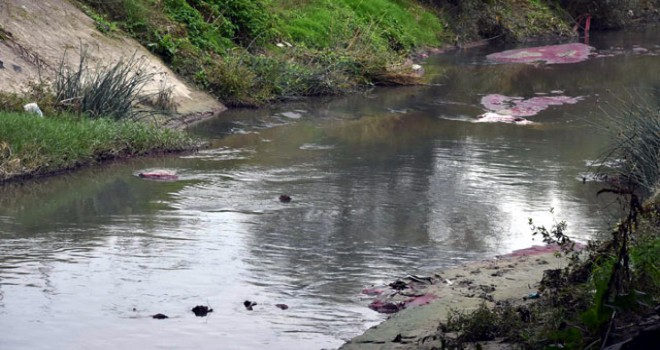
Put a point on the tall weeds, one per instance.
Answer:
(635, 130)
(103, 91)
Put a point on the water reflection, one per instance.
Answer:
(391, 182)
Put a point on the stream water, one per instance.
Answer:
(385, 183)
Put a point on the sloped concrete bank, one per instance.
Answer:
(35, 34)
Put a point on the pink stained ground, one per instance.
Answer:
(538, 250)
(552, 54)
(520, 107)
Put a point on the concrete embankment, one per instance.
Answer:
(34, 36)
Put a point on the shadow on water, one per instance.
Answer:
(384, 183)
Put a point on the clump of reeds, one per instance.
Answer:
(103, 91)
(636, 147)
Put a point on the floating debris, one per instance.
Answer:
(390, 307)
(201, 310)
(285, 198)
(282, 306)
(160, 316)
(249, 304)
(398, 285)
(420, 279)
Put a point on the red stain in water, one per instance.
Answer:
(552, 54)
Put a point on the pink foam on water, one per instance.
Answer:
(520, 107)
(552, 54)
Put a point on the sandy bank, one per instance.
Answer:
(512, 277)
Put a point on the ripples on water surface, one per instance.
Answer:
(391, 182)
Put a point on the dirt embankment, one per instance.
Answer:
(511, 278)
(34, 35)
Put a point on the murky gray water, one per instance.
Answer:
(386, 183)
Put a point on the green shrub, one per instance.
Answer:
(204, 35)
(33, 145)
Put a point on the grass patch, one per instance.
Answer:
(389, 25)
(229, 47)
(33, 146)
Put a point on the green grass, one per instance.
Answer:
(389, 25)
(229, 47)
(30, 145)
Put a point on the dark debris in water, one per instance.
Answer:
(249, 304)
(285, 198)
(160, 316)
(201, 310)
(398, 285)
(282, 306)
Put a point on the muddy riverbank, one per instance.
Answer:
(511, 278)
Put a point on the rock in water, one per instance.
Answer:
(201, 310)
(159, 174)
